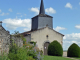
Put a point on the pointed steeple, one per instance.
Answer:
(42, 10)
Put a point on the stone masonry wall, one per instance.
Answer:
(4, 40)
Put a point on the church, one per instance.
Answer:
(41, 31)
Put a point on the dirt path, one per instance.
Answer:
(72, 58)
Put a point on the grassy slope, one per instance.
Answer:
(55, 58)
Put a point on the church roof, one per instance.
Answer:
(43, 15)
(42, 10)
(29, 32)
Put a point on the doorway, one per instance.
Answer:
(46, 44)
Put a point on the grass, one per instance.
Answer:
(55, 58)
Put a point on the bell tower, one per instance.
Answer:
(42, 19)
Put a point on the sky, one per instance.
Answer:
(17, 14)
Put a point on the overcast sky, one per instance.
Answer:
(17, 14)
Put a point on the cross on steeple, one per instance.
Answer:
(42, 10)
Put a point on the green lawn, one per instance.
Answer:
(55, 58)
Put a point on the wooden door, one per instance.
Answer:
(46, 48)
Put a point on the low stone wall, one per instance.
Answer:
(65, 53)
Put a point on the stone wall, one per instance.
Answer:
(4, 40)
(17, 40)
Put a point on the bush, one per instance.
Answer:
(55, 49)
(22, 54)
(30, 58)
(79, 52)
(27, 52)
(73, 50)
(4, 57)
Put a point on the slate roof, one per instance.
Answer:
(43, 15)
(42, 10)
(29, 32)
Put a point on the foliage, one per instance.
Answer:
(4, 57)
(13, 48)
(22, 54)
(27, 52)
(73, 50)
(15, 32)
(30, 51)
(55, 49)
(41, 52)
(24, 39)
(30, 58)
(32, 42)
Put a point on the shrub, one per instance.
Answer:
(13, 49)
(4, 57)
(30, 58)
(22, 54)
(27, 52)
(55, 49)
(79, 52)
(73, 50)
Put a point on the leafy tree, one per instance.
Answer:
(73, 50)
(15, 32)
(55, 49)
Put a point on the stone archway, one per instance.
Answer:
(46, 44)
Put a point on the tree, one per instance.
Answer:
(15, 32)
(73, 50)
(55, 49)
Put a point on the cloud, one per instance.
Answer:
(0, 10)
(20, 16)
(68, 5)
(26, 29)
(73, 36)
(18, 13)
(10, 9)
(79, 3)
(59, 28)
(24, 14)
(50, 10)
(69, 39)
(3, 14)
(13, 24)
(36, 10)
(77, 26)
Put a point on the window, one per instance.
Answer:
(47, 36)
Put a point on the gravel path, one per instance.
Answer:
(72, 58)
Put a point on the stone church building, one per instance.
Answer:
(41, 32)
